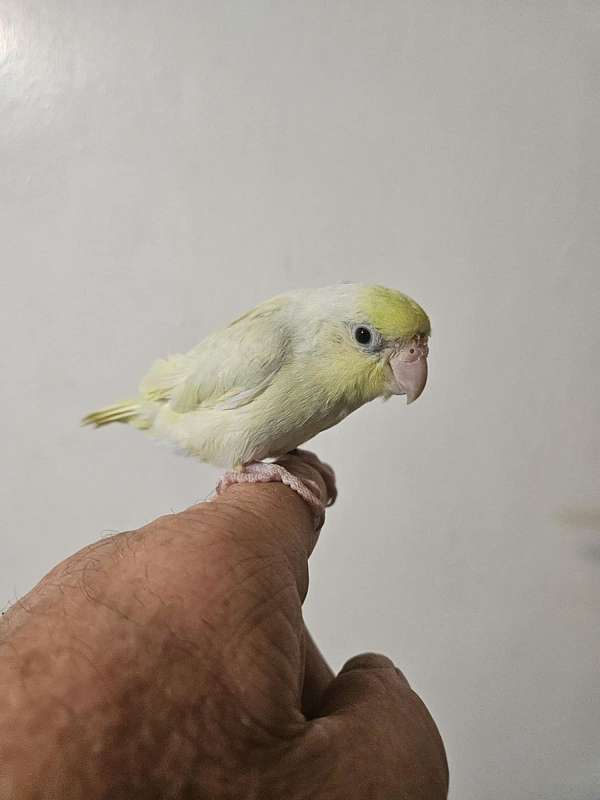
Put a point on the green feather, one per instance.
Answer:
(395, 315)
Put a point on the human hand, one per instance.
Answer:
(173, 662)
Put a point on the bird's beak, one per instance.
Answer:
(409, 366)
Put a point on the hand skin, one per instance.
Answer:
(173, 662)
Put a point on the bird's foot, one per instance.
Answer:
(307, 489)
(323, 469)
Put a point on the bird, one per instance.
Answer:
(275, 377)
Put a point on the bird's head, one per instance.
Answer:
(396, 331)
(374, 341)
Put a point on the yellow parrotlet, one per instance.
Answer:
(274, 378)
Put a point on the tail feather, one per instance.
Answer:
(120, 412)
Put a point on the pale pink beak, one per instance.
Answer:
(409, 365)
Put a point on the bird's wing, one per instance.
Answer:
(228, 369)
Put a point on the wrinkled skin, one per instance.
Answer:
(173, 662)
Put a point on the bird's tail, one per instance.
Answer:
(126, 411)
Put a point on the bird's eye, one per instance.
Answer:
(363, 335)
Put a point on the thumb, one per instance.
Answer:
(365, 679)
(385, 734)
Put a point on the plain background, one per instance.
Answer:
(166, 166)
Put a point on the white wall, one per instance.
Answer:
(165, 166)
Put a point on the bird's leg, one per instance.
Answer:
(261, 472)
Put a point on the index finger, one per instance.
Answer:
(276, 516)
